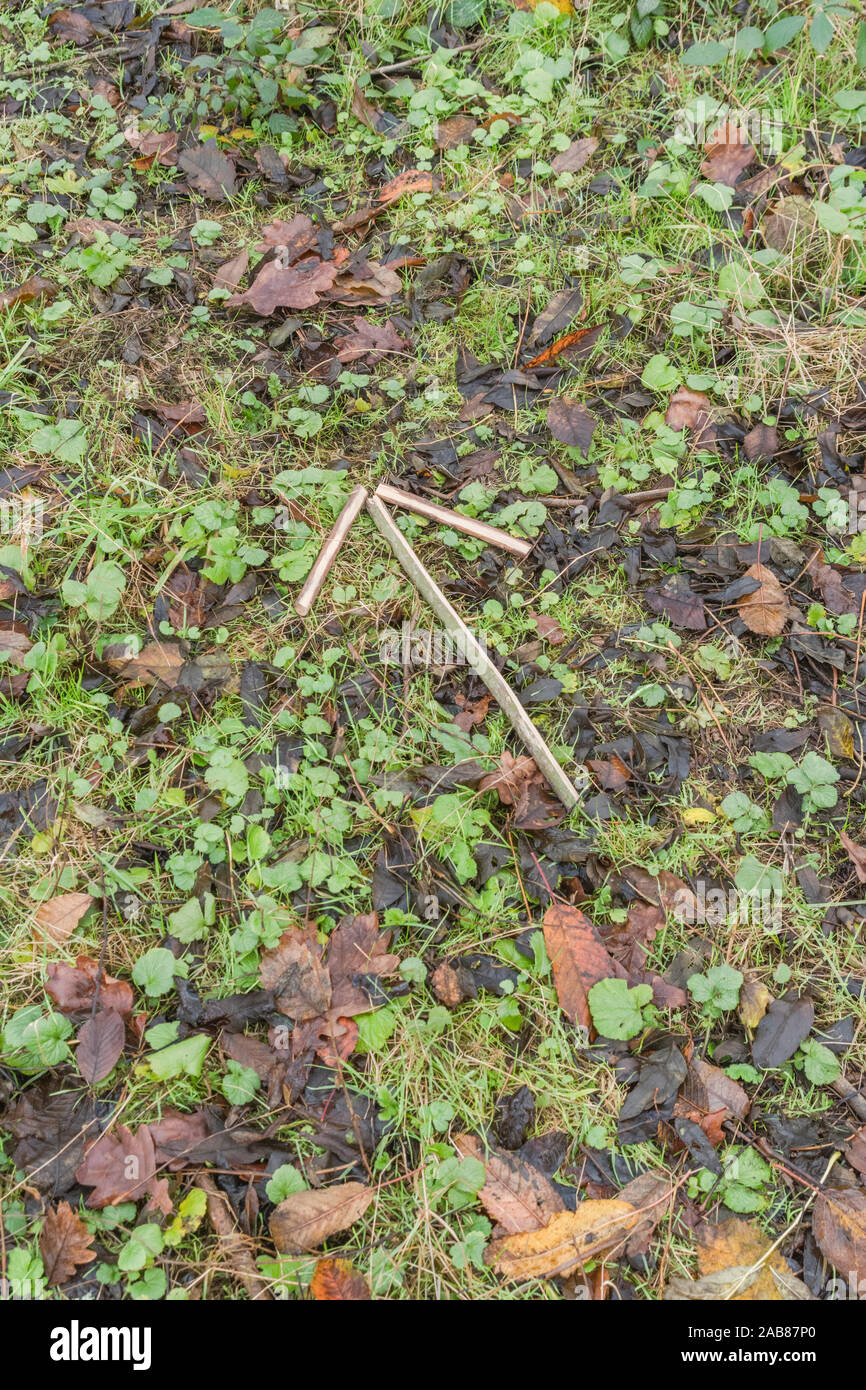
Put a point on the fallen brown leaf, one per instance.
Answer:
(839, 1227)
(121, 1167)
(73, 987)
(208, 170)
(337, 1281)
(35, 288)
(857, 855)
(578, 153)
(305, 1219)
(578, 957)
(508, 779)
(570, 423)
(765, 610)
(293, 969)
(100, 1044)
(515, 1193)
(371, 341)
(158, 661)
(567, 1242)
(286, 287)
(728, 153)
(64, 1243)
(56, 919)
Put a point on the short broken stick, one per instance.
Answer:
(479, 529)
(475, 654)
(328, 554)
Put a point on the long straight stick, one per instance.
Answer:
(328, 554)
(482, 532)
(475, 654)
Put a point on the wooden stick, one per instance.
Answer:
(475, 654)
(328, 553)
(479, 529)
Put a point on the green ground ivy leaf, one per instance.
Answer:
(181, 1059)
(239, 1084)
(144, 1244)
(659, 374)
(66, 440)
(719, 988)
(99, 594)
(617, 1010)
(374, 1029)
(820, 1064)
(227, 773)
(286, 1180)
(154, 972)
(190, 922)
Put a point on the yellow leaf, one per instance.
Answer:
(567, 1241)
(755, 999)
(564, 6)
(741, 1243)
(697, 815)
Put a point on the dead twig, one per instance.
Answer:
(474, 652)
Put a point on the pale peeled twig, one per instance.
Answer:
(476, 656)
(327, 555)
(479, 529)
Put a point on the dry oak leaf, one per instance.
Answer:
(64, 1243)
(509, 778)
(373, 283)
(306, 1219)
(337, 1281)
(56, 919)
(34, 288)
(568, 1240)
(121, 1167)
(356, 948)
(286, 287)
(578, 957)
(158, 661)
(728, 153)
(293, 969)
(294, 238)
(839, 1227)
(766, 610)
(372, 341)
(515, 1193)
(72, 987)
